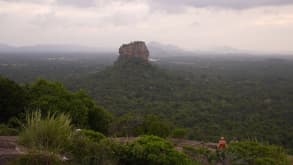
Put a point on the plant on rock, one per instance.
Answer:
(154, 150)
(51, 133)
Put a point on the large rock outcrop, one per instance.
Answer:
(134, 50)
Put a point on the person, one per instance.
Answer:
(222, 144)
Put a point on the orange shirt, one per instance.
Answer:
(222, 144)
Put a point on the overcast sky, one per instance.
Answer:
(258, 25)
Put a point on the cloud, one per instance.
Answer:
(73, 3)
(77, 3)
(28, 1)
(169, 5)
(174, 5)
(263, 25)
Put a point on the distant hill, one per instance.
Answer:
(162, 50)
(49, 49)
(131, 84)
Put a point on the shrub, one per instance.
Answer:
(201, 154)
(154, 125)
(253, 153)
(127, 125)
(12, 99)
(51, 133)
(92, 135)
(6, 131)
(99, 119)
(38, 159)
(53, 97)
(153, 150)
(179, 133)
(85, 151)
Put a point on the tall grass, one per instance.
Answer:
(51, 133)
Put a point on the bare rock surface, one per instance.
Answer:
(8, 149)
(136, 49)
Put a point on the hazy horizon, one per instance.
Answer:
(264, 26)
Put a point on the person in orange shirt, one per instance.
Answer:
(222, 144)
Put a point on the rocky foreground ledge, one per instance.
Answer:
(9, 149)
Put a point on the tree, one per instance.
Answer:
(54, 97)
(127, 125)
(99, 119)
(154, 125)
(12, 99)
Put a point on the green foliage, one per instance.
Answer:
(99, 119)
(51, 133)
(234, 97)
(7, 131)
(153, 150)
(86, 151)
(290, 157)
(12, 99)
(132, 124)
(179, 133)
(38, 159)
(210, 102)
(253, 153)
(53, 97)
(50, 96)
(201, 154)
(92, 135)
(127, 125)
(154, 125)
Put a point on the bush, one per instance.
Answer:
(155, 151)
(12, 99)
(84, 151)
(92, 135)
(51, 133)
(179, 133)
(99, 119)
(154, 125)
(253, 153)
(38, 159)
(201, 154)
(6, 131)
(127, 125)
(53, 97)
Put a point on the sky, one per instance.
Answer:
(255, 25)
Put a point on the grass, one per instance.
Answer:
(290, 157)
(50, 133)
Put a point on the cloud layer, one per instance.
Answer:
(165, 4)
(262, 25)
(233, 4)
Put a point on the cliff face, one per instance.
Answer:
(134, 50)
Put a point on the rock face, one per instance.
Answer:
(134, 50)
(8, 149)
